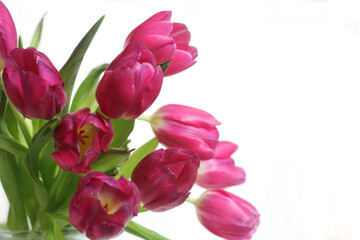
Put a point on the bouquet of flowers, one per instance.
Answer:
(66, 163)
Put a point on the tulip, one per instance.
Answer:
(130, 84)
(79, 140)
(220, 171)
(33, 84)
(167, 40)
(186, 127)
(102, 206)
(165, 177)
(8, 36)
(227, 215)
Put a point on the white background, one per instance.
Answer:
(283, 78)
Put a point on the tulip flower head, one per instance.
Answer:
(79, 140)
(8, 36)
(220, 171)
(167, 40)
(102, 206)
(33, 84)
(130, 84)
(165, 178)
(186, 127)
(227, 215)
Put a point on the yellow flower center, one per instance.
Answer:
(86, 137)
(109, 204)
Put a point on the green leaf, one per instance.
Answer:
(12, 146)
(20, 43)
(32, 205)
(122, 129)
(137, 156)
(50, 229)
(143, 232)
(39, 141)
(47, 165)
(85, 95)
(3, 103)
(9, 171)
(164, 66)
(109, 160)
(69, 71)
(11, 122)
(37, 34)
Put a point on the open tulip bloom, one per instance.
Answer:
(65, 161)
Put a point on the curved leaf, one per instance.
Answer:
(137, 156)
(85, 95)
(10, 145)
(71, 68)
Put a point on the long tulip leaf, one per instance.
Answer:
(137, 156)
(35, 41)
(85, 95)
(122, 130)
(41, 138)
(71, 68)
(143, 232)
(12, 146)
(17, 219)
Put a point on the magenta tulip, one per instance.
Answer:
(166, 40)
(102, 206)
(130, 84)
(186, 127)
(165, 177)
(79, 140)
(220, 171)
(227, 215)
(8, 36)
(33, 84)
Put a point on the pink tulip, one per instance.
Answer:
(33, 84)
(227, 215)
(186, 127)
(8, 36)
(220, 171)
(165, 177)
(102, 206)
(79, 140)
(166, 40)
(130, 84)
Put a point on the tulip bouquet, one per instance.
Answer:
(65, 164)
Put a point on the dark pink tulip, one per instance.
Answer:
(130, 84)
(166, 40)
(102, 206)
(227, 215)
(220, 171)
(8, 36)
(33, 84)
(186, 127)
(165, 178)
(79, 140)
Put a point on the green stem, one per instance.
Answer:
(191, 200)
(146, 118)
(19, 118)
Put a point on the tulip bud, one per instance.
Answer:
(165, 177)
(130, 84)
(166, 40)
(102, 206)
(33, 84)
(186, 127)
(79, 140)
(227, 215)
(8, 36)
(220, 171)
